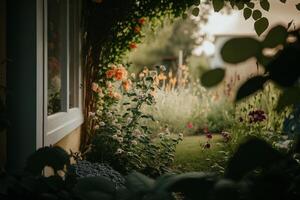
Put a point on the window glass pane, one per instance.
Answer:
(57, 53)
(74, 54)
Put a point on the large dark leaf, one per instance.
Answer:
(276, 36)
(261, 25)
(265, 4)
(95, 188)
(226, 189)
(254, 153)
(256, 14)
(247, 13)
(284, 69)
(218, 5)
(54, 157)
(139, 183)
(194, 185)
(212, 77)
(290, 96)
(251, 86)
(298, 6)
(196, 11)
(237, 50)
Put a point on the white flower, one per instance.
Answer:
(133, 75)
(136, 132)
(91, 114)
(119, 151)
(96, 127)
(99, 112)
(115, 137)
(102, 123)
(129, 120)
(161, 134)
(180, 135)
(120, 139)
(134, 142)
(100, 108)
(119, 126)
(109, 114)
(119, 132)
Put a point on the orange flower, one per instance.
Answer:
(120, 73)
(126, 85)
(110, 73)
(133, 46)
(117, 96)
(137, 29)
(95, 87)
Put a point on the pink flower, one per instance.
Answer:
(141, 21)
(95, 87)
(190, 125)
(209, 135)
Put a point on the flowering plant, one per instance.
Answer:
(121, 137)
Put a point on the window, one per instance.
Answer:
(62, 96)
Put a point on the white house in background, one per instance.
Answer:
(222, 27)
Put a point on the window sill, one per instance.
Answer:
(61, 124)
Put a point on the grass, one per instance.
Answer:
(191, 156)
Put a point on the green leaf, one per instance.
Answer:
(261, 25)
(256, 14)
(196, 11)
(265, 5)
(290, 96)
(240, 5)
(197, 2)
(247, 13)
(276, 36)
(253, 154)
(298, 6)
(237, 50)
(251, 86)
(250, 4)
(218, 5)
(212, 77)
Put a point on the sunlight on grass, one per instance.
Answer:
(191, 155)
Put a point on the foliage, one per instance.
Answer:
(286, 77)
(162, 46)
(120, 136)
(255, 171)
(31, 184)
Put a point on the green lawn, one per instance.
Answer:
(191, 156)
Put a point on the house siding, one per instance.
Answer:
(71, 142)
(2, 74)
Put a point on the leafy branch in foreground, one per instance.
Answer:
(281, 68)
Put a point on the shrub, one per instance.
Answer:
(121, 137)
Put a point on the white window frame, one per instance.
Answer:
(60, 124)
